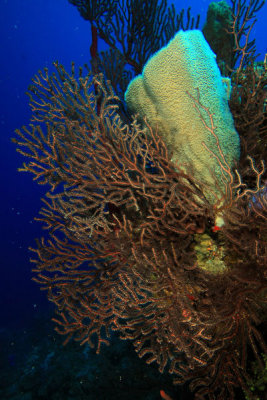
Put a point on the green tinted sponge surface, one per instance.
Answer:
(161, 94)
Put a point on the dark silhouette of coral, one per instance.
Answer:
(133, 31)
(219, 21)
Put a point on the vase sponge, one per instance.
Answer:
(164, 94)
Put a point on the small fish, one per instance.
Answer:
(215, 228)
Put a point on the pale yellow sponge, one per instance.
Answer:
(163, 94)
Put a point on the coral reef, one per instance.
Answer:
(134, 244)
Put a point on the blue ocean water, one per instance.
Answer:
(34, 34)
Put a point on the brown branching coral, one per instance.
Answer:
(244, 19)
(133, 244)
(248, 78)
(248, 105)
(127, 232)
(228, 31)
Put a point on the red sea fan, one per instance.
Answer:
(132, 246)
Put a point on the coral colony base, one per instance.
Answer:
(156, 220)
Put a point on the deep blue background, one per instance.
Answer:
(34, 33)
